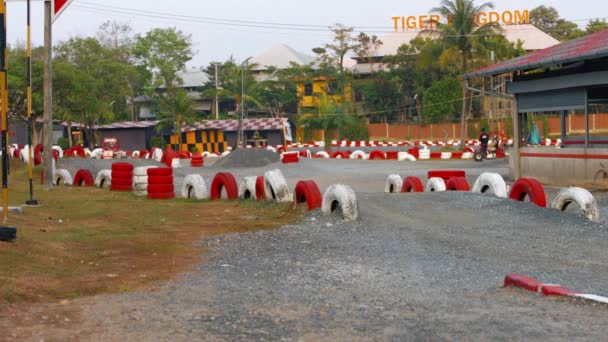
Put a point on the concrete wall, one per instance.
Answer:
(565, 167)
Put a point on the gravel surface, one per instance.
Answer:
(416, 267)
(247, 157)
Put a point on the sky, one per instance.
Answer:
(217, 42)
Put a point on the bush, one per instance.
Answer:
(157, 142)
(64, 143)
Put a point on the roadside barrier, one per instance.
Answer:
(197, 160)
(224, 181)
(275, 187)
(290, 157)
(580, 197)
(377, 154)
(160, 183)
(260, 191)
(62, 176)
(445, 174)
(122, 177)
(435, 184)
(103, 179)
(194, 186)
(490, 182)
(457, 184)
(412, 184)
(394, 183)
(308, 192)
(533, 285)
(341, 197)
(247, 188)
(531, 188)
(83, 177)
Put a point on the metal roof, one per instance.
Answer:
(591, 46)
(128, 124)
(280, 56)
(267, 124)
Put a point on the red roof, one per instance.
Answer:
(590, 46)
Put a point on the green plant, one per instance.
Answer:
(157, 141)
(64, 143)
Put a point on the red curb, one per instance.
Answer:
(521, 281)
(556, 290)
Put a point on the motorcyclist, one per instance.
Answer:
(484, 138)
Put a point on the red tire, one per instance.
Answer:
(17, 153)
(446, 174)
(121, 187)
(143, 154)
(125, 167)
(414, 151)
(160, 171)
(457, 184)
(291, 157)
(160, 188)
(181, 155)
(412, 184)
(55, 155)
(340, 154)
(531, 188)
(260, 191)
(165, 196)
(224, 180)
(392, 155)
(308, 192)
(377, 154)
(160, 179)
(122, 175)
(457, 155)
(37, 159)
(38, 149)
(121, 181)
(167, 158)
(435, 155)
(83, 177)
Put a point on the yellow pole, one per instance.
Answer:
(3, 111)
(31, 201)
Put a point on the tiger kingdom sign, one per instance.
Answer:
(430, 21)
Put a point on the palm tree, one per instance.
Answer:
(177, 110)
(461, 36)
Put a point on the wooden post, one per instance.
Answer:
(47, 156)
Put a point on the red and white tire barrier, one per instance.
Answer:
(122, 177)
(404, 156)
(531, 188)
(412, 184)
(457, 184)
(580, 197)
(534, 285)
(62, 176)
(394, 183)
(340, 196)
(247, 188)
(160, 183)
(358, 154)
(435, 184)
(197, 160)
(321, 155)
(339, 155)
(308, 192)
(445, 174)
(271, 149)
(290, 157)
(224, 181)
(97, 153)
(140, 180)
(276, 188)
(59, 151)
(260, 191)
(377, 154)
(424, 154)
(490, 182)
(103, 179)
(194, 186)
(83, 178)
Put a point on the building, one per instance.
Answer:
(131, 135)
(570, 80)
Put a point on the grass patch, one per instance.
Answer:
(84, 241)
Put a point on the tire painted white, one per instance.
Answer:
(135, 154)
(404, 156)
(176, 163)
(97, 153)
(435, 184)
(60, 151)
(342, 196)
(139, 187)
(394, 183)
(358, 154)
(491, 182)
(225, 153)
(247, 188)
(322, 154)
(446, 155)
(582, 198)
(24, 155)
(87, 152)
(276, 187)
(157, 155)
(271, 149)
(467, 155)
(141, 171)
(194, 186)
(104, 178)
(62, 176)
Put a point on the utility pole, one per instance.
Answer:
(47, 156)
(31, 201)
(217, 98)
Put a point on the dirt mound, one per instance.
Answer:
(248, 157)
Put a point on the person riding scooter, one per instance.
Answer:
(484, 138)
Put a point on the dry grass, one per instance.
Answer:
(85, 241)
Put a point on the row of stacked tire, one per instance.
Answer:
(493, 183)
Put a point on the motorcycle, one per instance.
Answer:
(490, 152)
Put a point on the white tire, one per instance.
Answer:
(225, 153)
(581, 197)
(103, 179)
(322, 154)
(358, 154)
(62, 176)
(276, 187)
(140, 193)
(141, 171)
(140, 179)
(343, 197)
(404, 156)
(467, 155)
(247, 188)
(59, 150)
(435, 184)
(87, 152)
(205, 154)
(157, 155)
(24, 155)
(491, 182)
(446, 155)
(394, 183)
(271, 149)
(135, 154)
(97, 153)
(194, 186)
(140, 187)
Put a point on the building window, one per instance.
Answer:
(308, 89)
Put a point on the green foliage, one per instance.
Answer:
(596, 25)
(442, 101)
(64, 143)
(157, 141)
(548, 20)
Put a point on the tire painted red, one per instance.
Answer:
(55, 155)
(340, 154)
(17, 153)
(303, 154)
(181, 155)
(412, 184)
(260, 191)
(457, 155)
(38, 149)
(160, 171)
(290, 158)
(529, 187)
(167, 158)
(457, 184)
(392, 155)
(121, 181)
(160, 188)
(308, 192)
(224, 180)
(415, 152)
(281, 149)
(435, 155)
(143, 154)
(83, 177)
(165, 196)
(75, 151)
(160, 179)
(377, 154)
(37, 159)
(127, 167)
(445, 174)
(122, 175)
(121, 187)
(523, 282)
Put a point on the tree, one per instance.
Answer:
(442, 100)
(596, 25)
(367, 49)
(461, 35)
(548, 20)
(177, 111)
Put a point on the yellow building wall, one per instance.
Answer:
(319, 86)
